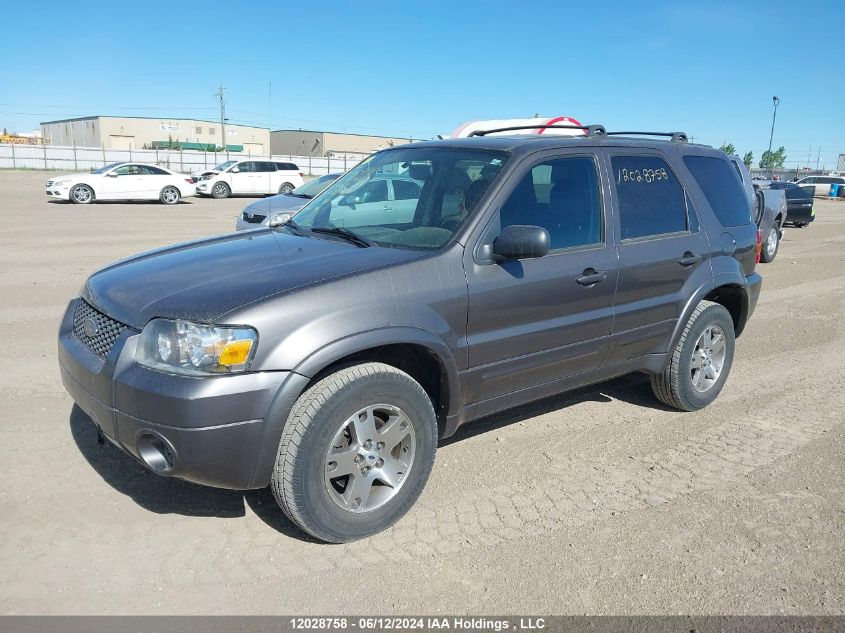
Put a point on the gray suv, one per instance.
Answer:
(328, 361)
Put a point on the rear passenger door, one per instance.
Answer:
(663, 253)
(265, 177)
(406, 194)
(243, 180)
(535, 321)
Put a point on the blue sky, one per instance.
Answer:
(420, 68)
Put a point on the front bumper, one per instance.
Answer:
(210, 430)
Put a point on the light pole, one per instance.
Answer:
(776, 103)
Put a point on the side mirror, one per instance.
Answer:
(235, 170)
(277, 219)
(521, 241)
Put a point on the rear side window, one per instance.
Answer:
(651, 200)
(264, 166)
(723, 192)
(287, 167)
(406, 190)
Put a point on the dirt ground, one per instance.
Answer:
(598, 501)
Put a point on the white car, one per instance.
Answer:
(122, 181)
(251, 177)
(821, 184)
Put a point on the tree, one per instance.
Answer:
(748, 159)
(729, 149)
(773, 160)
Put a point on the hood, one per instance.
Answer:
(203, 280)
(274, 204)
(82, 174)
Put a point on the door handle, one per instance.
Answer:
(591, 277)
(689, 259)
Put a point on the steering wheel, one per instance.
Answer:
(452, 223)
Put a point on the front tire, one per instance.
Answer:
(355, 453)
(771, 245)
(170, 195)
(82, 194)
(220, 190)
(286, 187)
(701, 361)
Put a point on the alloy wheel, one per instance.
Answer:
(708, 358)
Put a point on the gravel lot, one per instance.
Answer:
(597, 501)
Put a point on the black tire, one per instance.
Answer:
(220, 190)
(674, 386)
(170, 195)
(300, 483)
(82, 194)
(767, 254)
(286, 187)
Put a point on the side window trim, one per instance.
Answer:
(617, 210)
(513, 179)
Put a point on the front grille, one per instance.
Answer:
(106, 330)
(255, 219)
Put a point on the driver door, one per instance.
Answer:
(127, 182)
(243, 181)
(534, 322)
(365, 206)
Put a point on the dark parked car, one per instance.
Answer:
(799, 202)
(327, 361)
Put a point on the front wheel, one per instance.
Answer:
(82, 194)
(701, 361)
(286, 187)
(220, 190)
(355, 453)
(170, 195)
(770, 247)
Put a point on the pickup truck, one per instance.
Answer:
(770, 210)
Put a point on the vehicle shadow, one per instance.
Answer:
(164, 495)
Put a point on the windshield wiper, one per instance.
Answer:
(293, 226)
(298, 195)
(350, 236)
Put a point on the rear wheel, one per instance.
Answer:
(286, 187)
(700, 362)
(771, 245)
(220, 190)
(169, 195)
(82, 194)
(356, 452)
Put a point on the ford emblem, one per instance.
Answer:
(90, 327)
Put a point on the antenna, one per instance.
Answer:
(219, 95)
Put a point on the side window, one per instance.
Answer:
(373, 191)
(246, 167)
(651, 200)
(406, 190)
(265, 166)
(152, 171)
(563, 197)
(725, 195)
(128, 170)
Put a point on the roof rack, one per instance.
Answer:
(590, 130)
(677, 137)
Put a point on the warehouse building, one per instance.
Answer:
(320, 143)
(111, 132)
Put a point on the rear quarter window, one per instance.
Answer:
(724, 193)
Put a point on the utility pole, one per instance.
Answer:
(818, 157)
(776, 103)
(219, 95)
(270, 120)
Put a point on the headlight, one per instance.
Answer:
(182, 347)
(61, 181)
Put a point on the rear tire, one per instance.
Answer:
(342, 426)
(82, 194)
(771, 245)
(220, 190)
(169, 195)
(286, 187)
(700, 363)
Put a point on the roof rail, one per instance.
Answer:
(590, 130)
(677, 137)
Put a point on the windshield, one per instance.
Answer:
(313, 187)
(103, 170)
(225, 166)
(406, 198)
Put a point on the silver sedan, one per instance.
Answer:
(258, 213)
